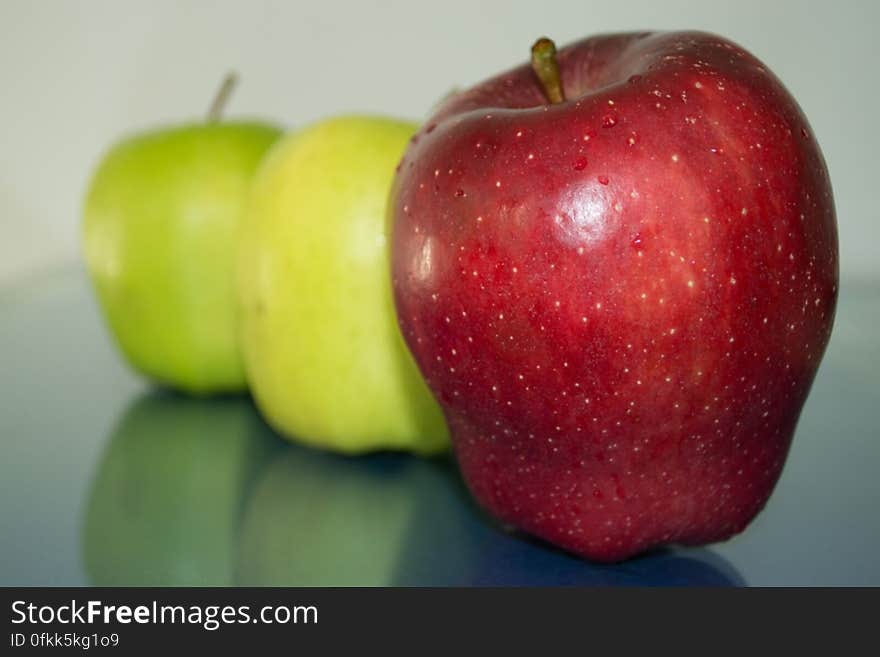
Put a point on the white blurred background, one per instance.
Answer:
(77, 75)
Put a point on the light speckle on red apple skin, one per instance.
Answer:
(620, 301)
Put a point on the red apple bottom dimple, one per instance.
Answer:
(611, 510)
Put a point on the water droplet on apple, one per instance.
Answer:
(805, 133)
(459, 193)
(580, 164)
(637, 241)
(609, 121)
(603, 180)
(634, 79)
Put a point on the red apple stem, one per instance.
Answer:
(546, 67)
(215, 113)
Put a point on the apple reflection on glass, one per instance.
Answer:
(166, 501)
(202, 492)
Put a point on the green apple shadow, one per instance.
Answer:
(203, 492)
(165, 504)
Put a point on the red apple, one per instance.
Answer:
(620, 298)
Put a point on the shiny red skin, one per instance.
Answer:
(620, 301)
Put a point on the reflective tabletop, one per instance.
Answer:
(109, 481)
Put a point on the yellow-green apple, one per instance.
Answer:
(323, 353)
(160, 225)
(617, 269)
(166, 502)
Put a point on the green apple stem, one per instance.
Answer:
(215, 113)
(546, 67)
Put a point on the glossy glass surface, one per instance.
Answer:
(106, 480)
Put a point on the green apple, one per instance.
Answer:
(166, 503)
(324, 356)
(160, 224)
(321, 519)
